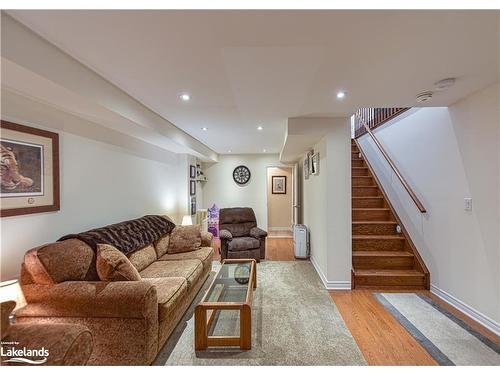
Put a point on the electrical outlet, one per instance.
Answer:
(468, 204)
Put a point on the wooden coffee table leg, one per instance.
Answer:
(245, 327)
(254, 274)
(200, 328)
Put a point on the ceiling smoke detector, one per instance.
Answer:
(444, 83)
(424, 96)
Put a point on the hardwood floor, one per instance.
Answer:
(380, 337)
(279, 249)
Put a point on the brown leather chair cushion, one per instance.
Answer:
(243, 243)
(239, 221)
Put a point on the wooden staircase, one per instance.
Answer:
(382, 257)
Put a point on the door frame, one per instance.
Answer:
(292, 185)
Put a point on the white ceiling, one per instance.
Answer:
(250, 68)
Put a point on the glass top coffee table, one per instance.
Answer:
(232, 289)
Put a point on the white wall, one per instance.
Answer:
(448, 154)
(315, 211)
(224, 192)
(100, 184)
(326, 200)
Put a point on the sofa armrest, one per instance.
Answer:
(206, 239)
(258, 233)
(225, 235)
(99, 299)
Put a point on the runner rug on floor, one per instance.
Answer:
(449, 340)
(294, 322)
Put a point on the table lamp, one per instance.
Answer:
(187, 220)
(11, 291)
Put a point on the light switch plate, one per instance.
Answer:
(468, 204)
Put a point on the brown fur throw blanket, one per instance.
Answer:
(127, 236)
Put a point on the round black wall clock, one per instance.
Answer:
(241, 175)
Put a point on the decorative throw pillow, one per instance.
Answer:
(184, 238)
(161, 245)
(113, 265)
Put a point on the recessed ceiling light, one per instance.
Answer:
(341, 95)
(259, 127)
(185, 97)
(264, 150)
(229, 151)
(204, 129)
(444, 83)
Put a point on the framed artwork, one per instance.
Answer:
(315, 164)
(193, 205)
(30, 170)
(306, 167)
(192, 171)
(278, 184)
(192, 187)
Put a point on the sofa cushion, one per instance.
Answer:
(190, 269)
(161, 246)
(205, 254)
(184, 238)
(69, 260)
(143, 257)
(113, 265)
(169, 290)
(243, 243)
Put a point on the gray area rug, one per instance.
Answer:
(449, 340)
(294, 322)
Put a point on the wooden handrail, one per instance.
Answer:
(412, 194)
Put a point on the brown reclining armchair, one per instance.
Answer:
(239, 235)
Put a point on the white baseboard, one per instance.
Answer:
(330, 285)
(467, 310)
(280, 228)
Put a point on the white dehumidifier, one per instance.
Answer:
(301, 241)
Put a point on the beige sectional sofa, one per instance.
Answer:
(129, 320)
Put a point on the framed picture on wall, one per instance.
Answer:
(315, 164)
(192, 187)
(278, 184)
(192, 171)
(193, 205)
(307, 165)
(30, 170)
